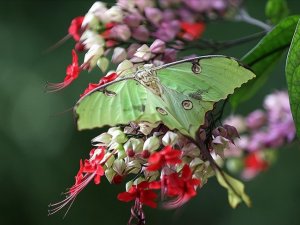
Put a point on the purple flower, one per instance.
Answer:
(132, 49)
(120, 32)
(256, 119)
(170, 55)
(158, 46)
(133, 19)
(167, 31)
(140, 33)
(186, 15)
(168, 15)
(199, 5)
(154, 15)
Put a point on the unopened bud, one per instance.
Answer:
(103, 138)
(119, 137)
(103, 64)
(145, 154)
(170, 138)
(119, 166)
(219, 131)
(110, 161)
(135, 144)
(151, 144)
(110, 173)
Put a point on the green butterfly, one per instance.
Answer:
(177, 94)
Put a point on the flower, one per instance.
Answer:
(75, 28)
(140, 192)
(89, 170)
(192, 31)
(108, 78)
(72, 73)
(182, 187)
(167, 155)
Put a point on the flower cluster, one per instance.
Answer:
(160, 160)
(142, 31)
(262, 131)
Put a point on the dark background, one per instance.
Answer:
(40, 147)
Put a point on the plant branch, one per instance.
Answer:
(221, 45)
(244, 16)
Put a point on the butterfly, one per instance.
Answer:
(178, 94)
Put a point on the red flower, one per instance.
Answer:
(72, 73)
(167, 155)
(106, 79)
(182, 187)
(254, 162)
(89, 170)
(192, 31)
(75, 29)
(140, 192)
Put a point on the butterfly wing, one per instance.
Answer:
(118, 103)
(186, 96)
(208, 78)
(194, 86)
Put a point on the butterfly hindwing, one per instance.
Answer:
(210, 78)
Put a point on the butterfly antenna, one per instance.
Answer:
(57, 44)
(62, 112)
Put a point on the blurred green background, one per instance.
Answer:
(40, 147)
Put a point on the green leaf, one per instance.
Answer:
(264, 56)
(235, 188)
(276, 10)
(292, 71)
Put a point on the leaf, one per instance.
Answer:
(276, 10)
(235, 188)
(264, 56)
(292, 71)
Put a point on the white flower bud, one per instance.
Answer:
(133, 166)
(129, 185)
(146, 127)
(119, 55)
(125, 67)
(103, 64)
(196, 162)
(151, 175)
(119, 166)
(93, 54)
(90, 21)
(151, 144)
(114, 14)
(110, 173)
(135, 144)
(121, 153)
(143, 53)
(110, 161)
(102, 139)
(119, 136)
(170, 138)
(90, 38)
